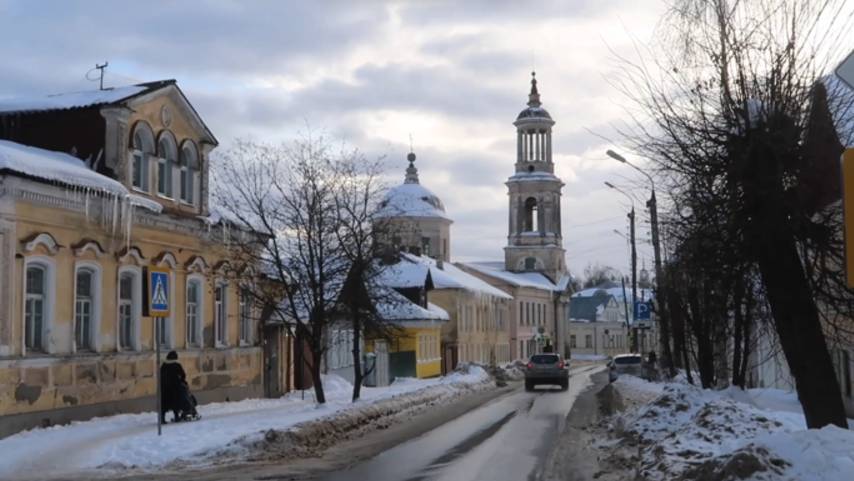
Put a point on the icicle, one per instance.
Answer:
(115, 214)
(86, 204)
(130, 223)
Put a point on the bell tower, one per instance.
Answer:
(534, 240)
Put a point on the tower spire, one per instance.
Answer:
(411, 171)
(534, 96)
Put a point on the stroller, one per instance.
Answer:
(185, 405)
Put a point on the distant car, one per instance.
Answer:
(547, 369)
(625, 364)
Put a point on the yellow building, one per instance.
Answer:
(119, 183)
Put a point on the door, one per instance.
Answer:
(382, 360)
(272, 361)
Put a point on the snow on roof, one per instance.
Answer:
(411, 200)
(617, 292)
(402, 275)
(533, 177)
(394, 306)
(71, 100)
(452, 277)
(520, 279)
(55, 167)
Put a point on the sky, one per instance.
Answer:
(452, 75)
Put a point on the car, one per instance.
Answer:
(625, 364)
(547, 368)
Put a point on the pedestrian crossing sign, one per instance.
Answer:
(158, 292)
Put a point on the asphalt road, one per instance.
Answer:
(508, 439)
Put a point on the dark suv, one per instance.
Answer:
(547, 369)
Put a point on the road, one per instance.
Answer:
(506, 439)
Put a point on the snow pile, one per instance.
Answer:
(688, 433)
(129, 443)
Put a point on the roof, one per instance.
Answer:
(612, 288)
(393, 306)
(450, 276)
(64, 169)
(77, 100)
(519, 279)
(404, 274)
(411, 200)
(841, 104)
(94, 98)
(536, 176)
(586, 308)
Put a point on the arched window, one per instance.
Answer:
(189, 171)
(36, 306)
(194, 311)
(167, 153)
(531, 215)
(87, 303)
(142, 144)
(530, 263)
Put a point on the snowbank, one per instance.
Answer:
(129, 443)
(685, 432)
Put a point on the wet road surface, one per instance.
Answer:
(506, 439)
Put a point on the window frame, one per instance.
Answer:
(95, 298)
(135, 308)
(165, 164)
(139, 154)
(221, 314)
(189, 168)
(48, 297)
(199, 281)
(244, 314)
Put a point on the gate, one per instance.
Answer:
(382, 361)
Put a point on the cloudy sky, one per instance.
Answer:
(453, 75)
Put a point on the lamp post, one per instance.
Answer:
(661, 314)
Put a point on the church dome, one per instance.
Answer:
(411, 199)
(534, 113)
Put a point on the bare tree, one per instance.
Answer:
(288, 193)
(728, 114)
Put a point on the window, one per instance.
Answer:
(128, 303)
(425, 246)
(588, 341)
(189, 167)
(194, 314)
(142, 149)
(34, 310)
(245, 316)
(163, 326)
(220, 314)
(531, 221)
(530, 263)
(166, 153)
(572, 341)
(85, 304)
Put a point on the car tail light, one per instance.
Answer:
(560, 365)
(530, 365)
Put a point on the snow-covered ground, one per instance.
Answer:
(760, 434)
(129, 443)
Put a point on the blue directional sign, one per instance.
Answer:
(642, 311)
(158, 292)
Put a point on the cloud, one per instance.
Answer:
(454, 75)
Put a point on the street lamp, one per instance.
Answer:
(653, 219)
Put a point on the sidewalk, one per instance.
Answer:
(125, 444)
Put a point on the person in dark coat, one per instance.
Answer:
(173, 380)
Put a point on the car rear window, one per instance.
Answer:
(627, 360)
(544, 358)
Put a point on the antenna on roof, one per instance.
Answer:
(101, 68)
(410, 142)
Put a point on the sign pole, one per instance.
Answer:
(157, 369)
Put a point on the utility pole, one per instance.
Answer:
(634, 271)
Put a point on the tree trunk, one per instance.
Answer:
(703, 341)
(772, 244)
(317, 351)
(738, 328)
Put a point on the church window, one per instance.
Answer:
(531, 215)
(530, 263)
(425, 246)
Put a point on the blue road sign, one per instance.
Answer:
(642, 311)
(158, 298)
